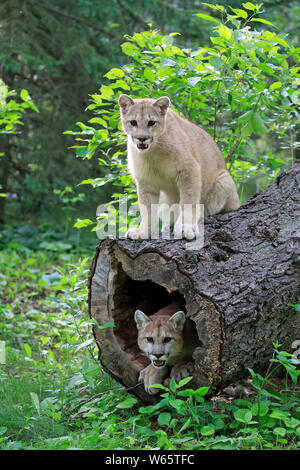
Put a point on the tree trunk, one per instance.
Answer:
(236, 289)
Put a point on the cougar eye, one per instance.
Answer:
(151, 123)
(149, 339)
(133, 123)
(167, 339)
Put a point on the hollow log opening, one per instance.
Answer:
(120, 285)
(132, 295)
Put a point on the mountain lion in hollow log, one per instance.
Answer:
(169, 340)
(173, 162)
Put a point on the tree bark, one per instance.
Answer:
(236, 289)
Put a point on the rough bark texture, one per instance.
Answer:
(237, 289)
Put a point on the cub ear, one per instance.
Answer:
(177, 320)
(141, 319)
(162, 104)
(125, 102)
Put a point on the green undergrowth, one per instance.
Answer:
(55, 395)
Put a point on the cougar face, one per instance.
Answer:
(160, 338)
(143, 120)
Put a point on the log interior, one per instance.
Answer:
(130, 295)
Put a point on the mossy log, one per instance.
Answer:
(236, 289)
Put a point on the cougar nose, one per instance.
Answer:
(142, 139)
(157, 355)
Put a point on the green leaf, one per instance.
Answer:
(249, 6)
(45, 339)
(35, 401)
(214, 7)
(80, 223)
(98, 120)
(266, 68)
(97, 98)
(129, 49)
(184, 381)
(159, 386)
(106, 92)
(240, 13)
(259, 409)
(24, 94)
(275, 86)
(81, 151)
(278, 414)
(173, 385)
(114, 73)
(279, 431)
(149, 75)
(224, 32)
(164, 419)
(258, 124)
(128, 403)
(176, 403)
(201, 391)
(28, 350)
(247, 130)
(139, 39)
(108, 324)
(247, 115)
(207, 430)
(207, 17)
(261, 20)
(243, 415)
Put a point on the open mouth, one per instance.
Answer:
(142, 146)
(158, 363)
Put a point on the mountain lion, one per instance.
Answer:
(174, 162)
(169, 341)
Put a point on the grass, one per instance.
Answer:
(55, 395)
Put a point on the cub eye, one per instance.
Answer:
(151, 123)
(133, 123)
(167, 339)
(149, 339)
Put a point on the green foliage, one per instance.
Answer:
(49, 237)
(11, 113)
(57, 51)
(10, 110)
(240, 88)
(55, 395)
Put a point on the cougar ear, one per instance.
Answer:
(177, 320)
(162, 104)
(125, 102)
(141, 319)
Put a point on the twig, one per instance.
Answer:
(74, 18)
(215, 120)
(103, 393)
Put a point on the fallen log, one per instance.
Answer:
(237, 289)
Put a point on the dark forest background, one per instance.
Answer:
(59, 51)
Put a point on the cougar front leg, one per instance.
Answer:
(148, 204)
(186, 225)
(151, 375)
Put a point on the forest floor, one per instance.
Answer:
(55, 395)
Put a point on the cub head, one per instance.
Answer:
(143, 120)
(160, 338)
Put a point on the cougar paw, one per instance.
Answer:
(187, 231)
(136, 233)
(181, 371)
(151, 376)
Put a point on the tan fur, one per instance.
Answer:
(182, 165)
(176, 354)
